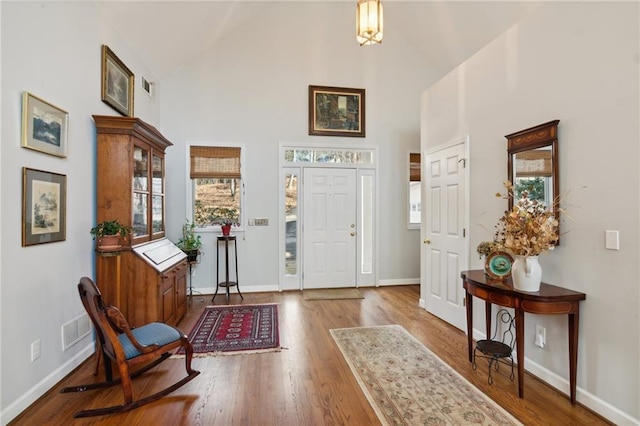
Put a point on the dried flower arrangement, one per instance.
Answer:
(485, 248)
(530, 228)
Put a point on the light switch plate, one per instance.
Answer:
(612, 240)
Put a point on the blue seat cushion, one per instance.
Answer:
(155, 333)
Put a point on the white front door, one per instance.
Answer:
(444, 244)
(329, 222)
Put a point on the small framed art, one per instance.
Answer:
(44, 207)
(336, 111)
(117, 83)
(44, 126)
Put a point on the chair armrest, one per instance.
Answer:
(120, 325)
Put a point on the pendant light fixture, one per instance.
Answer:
(369, 22)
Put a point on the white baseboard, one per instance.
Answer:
(587, 399)
(402, 281)
(262, 289)
(209, 291)
(28, 398)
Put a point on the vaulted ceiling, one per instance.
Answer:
(170, 34)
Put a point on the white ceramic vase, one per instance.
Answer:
(526, 273)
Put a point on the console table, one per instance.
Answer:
(550, 299)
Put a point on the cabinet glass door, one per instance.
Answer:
(157, 208)
(140, 191)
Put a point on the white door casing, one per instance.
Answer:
(329, 198)
(444, 244)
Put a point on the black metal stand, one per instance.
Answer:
(226, 283)
(191, 290)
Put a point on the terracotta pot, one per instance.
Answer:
(109, 243)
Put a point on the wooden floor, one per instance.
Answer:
(307, 383)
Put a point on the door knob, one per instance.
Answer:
(353, 234)
(427, 241)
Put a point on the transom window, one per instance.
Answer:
(334, 156)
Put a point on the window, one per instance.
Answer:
(291, 221)
(217, 180)
(415, 202)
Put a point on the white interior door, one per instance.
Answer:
(445, 246)
(329, 228)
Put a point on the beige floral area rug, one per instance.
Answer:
(407, 384)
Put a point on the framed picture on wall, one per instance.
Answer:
(44, 207)
(336, 111)
(44, 126)
(117, 83)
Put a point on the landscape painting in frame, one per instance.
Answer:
(44, 126)
(117, 83)
(44, 198)
(336, 111)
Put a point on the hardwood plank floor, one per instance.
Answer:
(307, 383)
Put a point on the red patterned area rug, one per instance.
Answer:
(235, 329)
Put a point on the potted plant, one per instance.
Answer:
(108, 234)
(190, 243)
(225, 217)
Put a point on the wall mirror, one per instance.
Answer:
(533, 163)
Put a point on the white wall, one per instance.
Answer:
(251, 88)
(576, 62)
(53, 51)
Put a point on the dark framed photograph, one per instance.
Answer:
(117, 83)
(336, 111)
(44, 126)
(44, 207)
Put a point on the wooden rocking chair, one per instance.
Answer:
(133, 350)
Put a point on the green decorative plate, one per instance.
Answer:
(498, 265)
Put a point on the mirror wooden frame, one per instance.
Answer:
(533, 138)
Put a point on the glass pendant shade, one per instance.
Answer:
(369, 22)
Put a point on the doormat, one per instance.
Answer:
(332, 294)
(235, 329)
(408, 384)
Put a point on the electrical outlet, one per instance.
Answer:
(541, 336)
(35, 350)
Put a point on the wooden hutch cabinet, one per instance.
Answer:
(147, 279)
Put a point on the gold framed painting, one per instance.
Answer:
(44, 126)
(117, 83)
(44, 207)
(336, 111)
